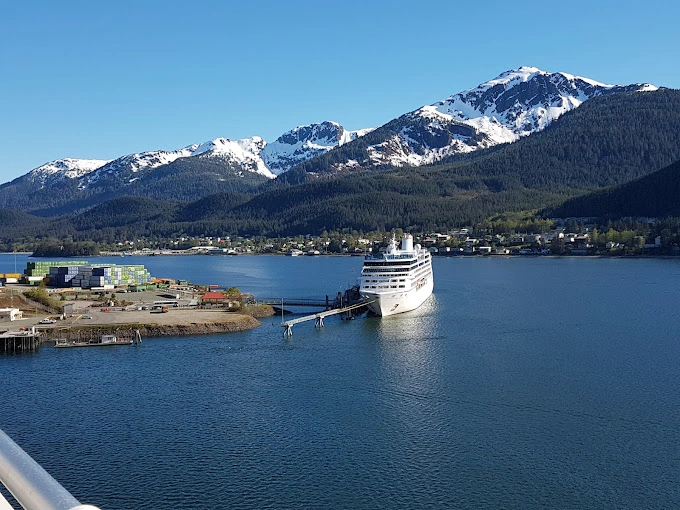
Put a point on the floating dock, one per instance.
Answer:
(104, 340)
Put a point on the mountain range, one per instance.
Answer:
(525, 140)
(515, 104)
(252, 155)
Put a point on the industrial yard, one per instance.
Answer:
(91, 319)
(74, 300)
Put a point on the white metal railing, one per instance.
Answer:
(32, 486)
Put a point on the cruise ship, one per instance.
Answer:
(399, 280)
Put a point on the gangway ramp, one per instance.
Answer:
(282, 302)
(319, 317)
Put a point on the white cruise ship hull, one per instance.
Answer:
(391, 303)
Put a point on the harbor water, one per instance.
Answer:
(521, 383)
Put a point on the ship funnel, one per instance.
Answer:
(407, 243)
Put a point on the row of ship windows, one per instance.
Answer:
(393, 267)
(388, 275)
(395, 261)
(389, 264)
(416, 274)
(392, 270)
(385, 287)
(386, 269)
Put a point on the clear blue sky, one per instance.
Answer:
(89, 79)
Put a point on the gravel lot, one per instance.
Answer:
(182, 315)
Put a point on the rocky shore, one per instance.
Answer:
(173, 323)
(242, 323)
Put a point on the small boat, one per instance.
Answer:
(102, 341)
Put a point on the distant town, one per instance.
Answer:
(572, 236)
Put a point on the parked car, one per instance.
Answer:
(47, 320)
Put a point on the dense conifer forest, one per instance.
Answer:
(655, 195)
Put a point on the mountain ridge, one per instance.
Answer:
(515, 104)
(500, 110)
(511, 106)
(610, 140)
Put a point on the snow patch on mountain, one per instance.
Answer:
(133, 164)
(402, 150)
(245, 153)
(67, 168)
(306, 142)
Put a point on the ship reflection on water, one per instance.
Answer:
(418, 324)
(407, 338)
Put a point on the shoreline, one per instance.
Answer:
(435, 256)
(174, 323)
(244, 323)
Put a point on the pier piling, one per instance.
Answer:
(319, 317)
(24, 340)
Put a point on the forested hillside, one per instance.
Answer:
(189, 179)
(410, 199)
(655, 195)
(20, 220)
(607, 141)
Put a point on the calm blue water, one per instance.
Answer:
(523, 383)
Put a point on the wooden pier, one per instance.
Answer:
(24, 340)
(319, 317)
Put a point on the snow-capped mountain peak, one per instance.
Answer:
(514, 104)
(522, 101)
(305, 142)
(67, 168)
(249, 154)
(152, 159)
(245, 153)
(521, 74)
(225, 146)
(127, 166)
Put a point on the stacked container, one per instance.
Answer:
(79, 274)
(107, 277)
(42, 268)
(61, 276)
